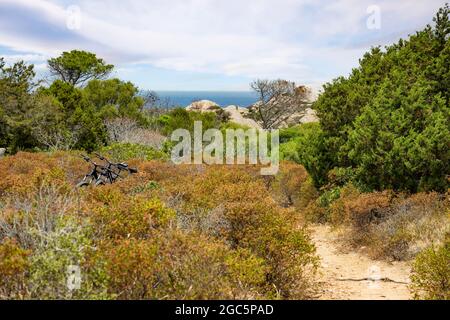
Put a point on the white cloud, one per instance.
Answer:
(11, 58)
(303, 40)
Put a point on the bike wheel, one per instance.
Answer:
(100, 183)
(132, 170)
(83, 184)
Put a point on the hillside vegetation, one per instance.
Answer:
(375, 169)
(169, 232)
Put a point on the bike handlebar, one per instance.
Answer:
(87, 159)
(108, 168)
(106, 160)
(101, 157)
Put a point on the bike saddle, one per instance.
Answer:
(123, 165)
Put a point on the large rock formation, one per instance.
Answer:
(307, 116)
(203, 106)
(239, 115)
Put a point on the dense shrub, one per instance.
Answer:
(391, 226)
(28, 219)
(167, 232)
(127, 151)
(416, 222)
(314, 155)
(337, 202)
(131, 266)
(431, 273)
(24, 172)
(250, 219)
(68, 245)
(288, 151)
(291, 133)
(293, 186)
(304, 144)
(117, 216)
(179, 118)
(368, 208)
(181, 266)
(365, 211)
(326, 206)
(14, 266)
(389, 119)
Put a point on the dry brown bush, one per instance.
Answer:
(14, 265)
(293, 186)
(430, 276)
(391, 226)
(125, 130)
(416, 222)
(216, 230)
(182, 266)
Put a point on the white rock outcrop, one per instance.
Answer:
(238, 115)
(203, 106)
(306, 116)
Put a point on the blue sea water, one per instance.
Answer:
(222, 98)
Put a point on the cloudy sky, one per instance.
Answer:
(210, 44)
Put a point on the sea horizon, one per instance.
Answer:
(183, 98)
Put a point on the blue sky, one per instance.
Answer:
(210, 44)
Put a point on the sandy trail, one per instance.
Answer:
(353, 276)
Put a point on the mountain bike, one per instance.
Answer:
(104, 174)
(94, 177)
(122, 166)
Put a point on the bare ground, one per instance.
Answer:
(354, 276)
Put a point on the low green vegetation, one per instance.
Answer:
(179, 118)
(127, 151)
(305, 144)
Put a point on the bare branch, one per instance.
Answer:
(279, 100)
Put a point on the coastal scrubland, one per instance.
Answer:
(375, 170)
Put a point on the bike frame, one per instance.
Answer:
(104, 174)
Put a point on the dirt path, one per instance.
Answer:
(353, 276)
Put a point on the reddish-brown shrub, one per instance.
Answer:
(116, 215)
(180, 266)
(24, 172)
(391, 226)
(415, 223)
(216, 230)
(289, 183)
(252, 220)
(362, 212)
(14, 265)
